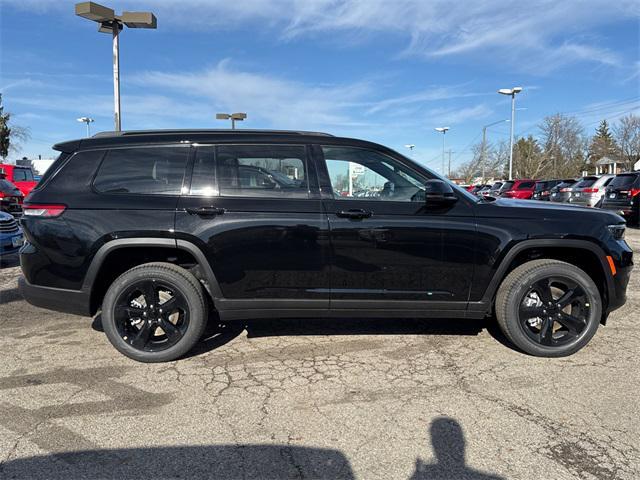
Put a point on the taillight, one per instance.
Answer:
(48, 211)
(634, 191)
(565, 189)
(590, 190)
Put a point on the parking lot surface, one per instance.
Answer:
(414, 399)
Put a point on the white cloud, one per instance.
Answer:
(505, 30)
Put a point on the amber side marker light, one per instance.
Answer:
(612, 265)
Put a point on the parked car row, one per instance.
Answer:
(16, 181)
(620, 193)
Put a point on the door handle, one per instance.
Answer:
(354, 214)
(205, 211)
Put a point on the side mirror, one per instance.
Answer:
(438, 193)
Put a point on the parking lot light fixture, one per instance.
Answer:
(240, 116)
(512, 93)
(111, 23)
(444, 131)
(88, 121)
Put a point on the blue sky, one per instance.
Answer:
(387, 71)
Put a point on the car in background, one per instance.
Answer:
(590, 195)
(11, 238)
(474, 189)
(484, 191)
(623, 196)
(21, 176)
(10, 197)
(542, 190)
(494, 190)
(560, 193)
(521, 188)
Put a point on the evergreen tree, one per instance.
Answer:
(5, 131)
(603, 144)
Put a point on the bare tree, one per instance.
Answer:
(564, 146)
(627, 135)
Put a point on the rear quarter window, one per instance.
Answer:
(142, 170)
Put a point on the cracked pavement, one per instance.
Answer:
(411, 399)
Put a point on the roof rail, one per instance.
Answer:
(127, 133)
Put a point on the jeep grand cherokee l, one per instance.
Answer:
(157, 229)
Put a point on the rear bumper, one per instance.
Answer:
(58, 299)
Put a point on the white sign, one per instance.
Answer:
(356, 168)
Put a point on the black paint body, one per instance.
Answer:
(271, 257)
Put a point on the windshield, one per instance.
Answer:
(496, 186)
(507, 186)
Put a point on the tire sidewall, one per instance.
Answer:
(197, 314)
(516, 295)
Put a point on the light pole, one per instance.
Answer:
(442, 130)
(484, 144)
(231, 116)
(512, 93)
(111, 23)
(86, 120)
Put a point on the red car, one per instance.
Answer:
(21, 177)
(522, 188)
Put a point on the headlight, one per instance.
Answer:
(617, 231)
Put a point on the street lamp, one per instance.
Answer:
(442, 130)
(484, 144)
(86, 120)
(512, 93)
(111, 23)
(410, 146)
(231, 116)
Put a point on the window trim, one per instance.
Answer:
(106, 151)
(310, 173)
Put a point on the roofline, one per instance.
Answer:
(225, 131)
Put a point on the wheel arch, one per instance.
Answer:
(117, 256)
(586, 255)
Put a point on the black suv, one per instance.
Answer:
(158, 229)
(622, 195)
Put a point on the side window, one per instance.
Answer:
(19, 175)
(262, 171)
(525, 185)
(203, 179)
(142, 170)
(358, 174)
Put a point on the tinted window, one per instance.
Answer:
(585, 183)
(525, 185)
(203, 179)
(8, 188)
(623, 181)
(150, 171)
(507, 186)
(496, 186)
(22, 175)
(361, 174)
(540, 186)
(262, 171)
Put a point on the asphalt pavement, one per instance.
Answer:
(365, 399)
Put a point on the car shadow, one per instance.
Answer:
(9, 261)
(263, 461)
(218, 334)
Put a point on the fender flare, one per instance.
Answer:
(519, 247)
(107, 248)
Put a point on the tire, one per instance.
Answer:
(128, 323)
(549, 337)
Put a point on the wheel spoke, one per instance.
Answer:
(543, 288)
(570, 296)
(173, 333)
(169, 304)
(546, 332)
(529, 312)
(142, 337)
(573, 324)
(150, 293)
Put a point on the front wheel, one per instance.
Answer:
(154, 312)
(548, 308)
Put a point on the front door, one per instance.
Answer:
(387, 245)
(255, 212)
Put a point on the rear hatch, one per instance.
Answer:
(577, 191)
(621, 190)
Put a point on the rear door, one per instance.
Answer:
(386, 245)
(255, 212)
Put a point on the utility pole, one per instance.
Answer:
(449, 175)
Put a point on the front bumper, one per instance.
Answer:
(76, 302)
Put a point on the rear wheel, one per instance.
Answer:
(548, 308)
(154, 312)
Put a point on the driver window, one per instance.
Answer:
(361, 174)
